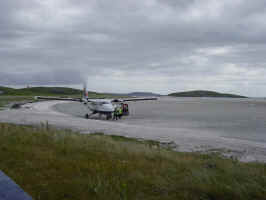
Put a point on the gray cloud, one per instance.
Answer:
(124, 45)
(54, 77)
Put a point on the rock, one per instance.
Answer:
(16, 106)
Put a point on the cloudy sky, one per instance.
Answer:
(135, 45)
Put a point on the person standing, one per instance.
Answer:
(116, 113)
(120, 112)
(125, 112)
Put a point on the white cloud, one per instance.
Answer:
(213, 51)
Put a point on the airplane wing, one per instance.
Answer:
(135, 99)
(74, 99)
(96, 100)
(59, 98)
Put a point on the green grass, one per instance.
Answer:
(54, 164)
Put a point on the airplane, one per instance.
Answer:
(98, 106)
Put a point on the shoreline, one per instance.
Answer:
(184, 141)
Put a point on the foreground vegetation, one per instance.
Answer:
(204, 93)
(59, 164)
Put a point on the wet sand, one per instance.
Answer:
(187, 137)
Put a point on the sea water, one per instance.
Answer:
(226, 117)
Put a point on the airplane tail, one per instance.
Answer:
(85, 92)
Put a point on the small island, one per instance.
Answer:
(204, 93)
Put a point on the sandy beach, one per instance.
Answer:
(183, 138)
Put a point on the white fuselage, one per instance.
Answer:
(101, 107)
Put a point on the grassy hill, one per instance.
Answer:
(6, 90)
(144, 94)
(34, 91)
(204, 93)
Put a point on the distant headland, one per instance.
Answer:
(204, 93)
(71, 91)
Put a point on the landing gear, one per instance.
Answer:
(87, 116)
(108, 115)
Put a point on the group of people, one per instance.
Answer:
(120, 110)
